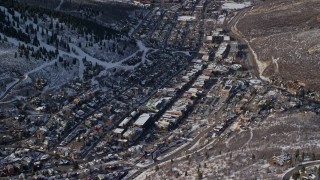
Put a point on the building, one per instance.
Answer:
(186, 18)
(118, 132)
(143, 120)
(226, 38)
(133, 134)
(221, 50)
(281, 160)
(226, 90)
(125, 122)
(234, 46)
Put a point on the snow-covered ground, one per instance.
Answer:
(55, 72)
(8, 86)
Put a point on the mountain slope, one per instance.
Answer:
(285, 36)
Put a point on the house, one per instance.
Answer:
(80, 113)
(294, 87)
(281, 160)
(205, 57)
(37, 165)
(244, 118)
(162, 124)
(118, 132)
(123, 142)
(209, 39)
(41, 132)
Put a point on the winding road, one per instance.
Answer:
(287, 175)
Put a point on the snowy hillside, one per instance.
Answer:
(58, 47)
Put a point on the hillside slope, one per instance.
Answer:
(285, 36)
(114, 14)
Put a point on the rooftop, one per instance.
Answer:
(142, 119)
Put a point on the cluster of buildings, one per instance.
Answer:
(177, 27)
(187, 32)
(193, 81)
(163, 102)
(71, 123)
(166, 108)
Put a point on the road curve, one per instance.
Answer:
(4, 95)
(290, 172)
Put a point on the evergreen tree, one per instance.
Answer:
(35, 20)
(36, 41)
(297, 153)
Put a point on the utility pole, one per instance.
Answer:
(299, 134)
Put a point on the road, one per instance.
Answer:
(14, 85)
(290, 172)
(231, 28)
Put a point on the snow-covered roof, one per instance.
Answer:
(125, 121)
(233, 5)
(186, 18)
(226, 38)
(118, 131)
(142, 119)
